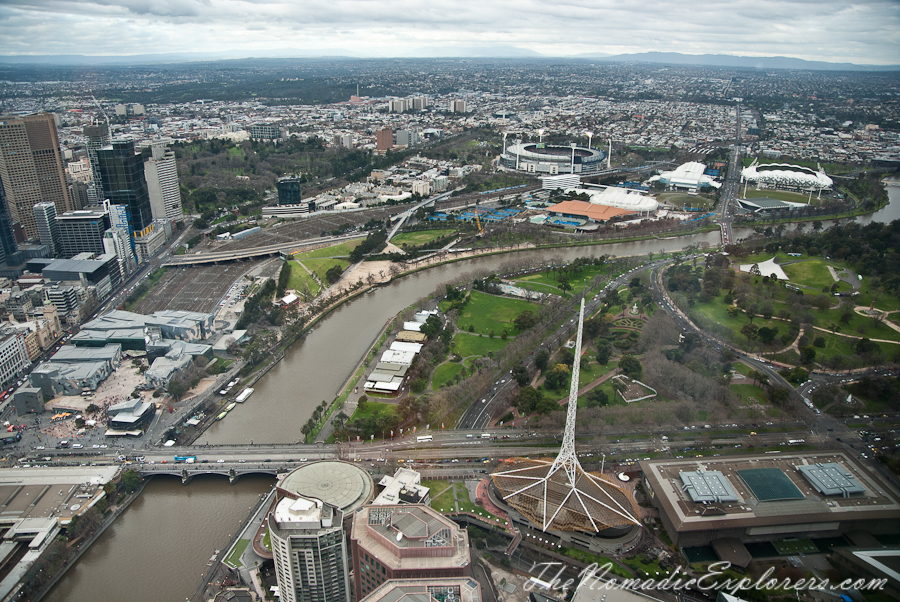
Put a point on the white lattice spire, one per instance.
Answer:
(567, 459)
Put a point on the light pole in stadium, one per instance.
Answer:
(590, 135)
(540, 136)
(573, 144)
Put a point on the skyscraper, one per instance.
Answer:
(162, 184)
(122, 175)
(96, 137)
(31, 167)
(8, 247)
(309, 550)
(48, 229)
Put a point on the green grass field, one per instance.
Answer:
(420, 238)
(339, 250)
(781, 195)
(750, 391)
(882, 301)
(686, 200)
(589, 558)
(549, 278)
(870, 327)
(301, 281)
(489, 312)
(320, 266)
(715, 311)
(374, 408)
(595, 371)
(445, 373)
(809, 273)
(467, 344)
(234, 559)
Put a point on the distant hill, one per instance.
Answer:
(487, 52)
(727, 60)
(492, 52)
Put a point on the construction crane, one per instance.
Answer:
(480, 227)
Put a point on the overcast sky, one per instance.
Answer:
(865, 32)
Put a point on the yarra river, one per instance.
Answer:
(158, 549)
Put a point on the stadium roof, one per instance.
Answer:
(687, 175)
(769, 484)
(831, 479)
(784, 174)
(598, 213)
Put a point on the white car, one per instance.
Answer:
(220, 461)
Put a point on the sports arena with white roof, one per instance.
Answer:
(552, 159)
(689, 176)
(784, 175)
(621, 198)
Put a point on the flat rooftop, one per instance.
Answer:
(60, 492)
(877, 500)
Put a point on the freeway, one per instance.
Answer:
(730, 191)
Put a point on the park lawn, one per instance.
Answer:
(872, 329)
(742, 368)
(601, 561)
(235, 151)
(468, 344)
(883, 301)
(644, 566)
(614, 398)
(595, 371)
(421, 237)
(301, 281)
(748, 391)
(716, 311)
(234, 559)
(321, 266)
(577, 281)
(539, 287)
(781, 195)
(339, 250)
(834, 345)
(490, 312)
(445, 373)
(812, 273)
(843, 286)
(373, 409)
(443, 502)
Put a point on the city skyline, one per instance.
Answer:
(864, 33)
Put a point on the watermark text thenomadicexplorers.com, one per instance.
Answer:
(598, 577)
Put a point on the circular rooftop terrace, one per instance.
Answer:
(340, 484)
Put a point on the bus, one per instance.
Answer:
(186, 459)
(424, 438)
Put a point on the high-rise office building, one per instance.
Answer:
(82, 232)
(8, 247)
(384, 139)
(48, 229)
(310, 551)
(96, 137)
(122, 175)
(405, 542)
(31, 167)
(162, 184)
(289, 190)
